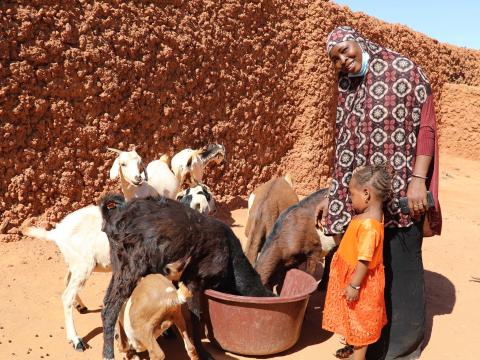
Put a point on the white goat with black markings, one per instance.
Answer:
(199, 198)
(188, 165)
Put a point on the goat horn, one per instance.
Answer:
(114, 150)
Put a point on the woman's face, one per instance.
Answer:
(347, 57)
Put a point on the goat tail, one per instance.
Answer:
(37, 232)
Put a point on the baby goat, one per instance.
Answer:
(265, 204)
(188, 165)
(154, 306)
(295, 238)
(147, 234)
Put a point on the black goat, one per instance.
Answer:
(145, 235)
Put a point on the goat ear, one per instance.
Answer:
(174, 271)
(114, 169)
(180, 195)
(111, 205)
(196, 169)
(114, 150)
(179, 265)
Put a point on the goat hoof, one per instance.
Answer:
(80, 346)
(82, 309)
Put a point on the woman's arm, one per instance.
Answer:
(417, 188)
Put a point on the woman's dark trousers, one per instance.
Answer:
(402, 337)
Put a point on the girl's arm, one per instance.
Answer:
(360, 271)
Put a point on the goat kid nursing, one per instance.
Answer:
(294, 239)
(146, 235)
(154, 306)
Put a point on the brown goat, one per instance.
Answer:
(152, 308)
(264, 206)
(295, 238)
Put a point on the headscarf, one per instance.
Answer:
(377, 122)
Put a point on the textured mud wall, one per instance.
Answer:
(460, 114)
(77, 76)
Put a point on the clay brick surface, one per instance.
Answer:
(78, 76)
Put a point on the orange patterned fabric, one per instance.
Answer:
(361, 321)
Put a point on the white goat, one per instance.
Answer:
(85, 249)
(158, 179)
(198, 198)
(188, 165)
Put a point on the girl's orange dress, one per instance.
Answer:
(361, 321)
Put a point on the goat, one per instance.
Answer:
(198, 198)
(158, 178)
(154, 306)
(264, 206)
(128, 166)
(85, 249)
(295, 238)
(188, 165)
(147, 234)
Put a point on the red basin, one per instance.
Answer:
(260, 326)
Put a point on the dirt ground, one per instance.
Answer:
(31, 316)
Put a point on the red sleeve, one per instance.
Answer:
(426, 134)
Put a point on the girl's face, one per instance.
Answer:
(347, 57)
(359, 196)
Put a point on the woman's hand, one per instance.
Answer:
(417, 197)
(324, 210)
(350, 293)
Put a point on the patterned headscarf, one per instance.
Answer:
(378, 118)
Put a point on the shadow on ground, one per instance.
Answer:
(440, 294)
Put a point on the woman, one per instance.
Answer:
(385, 114)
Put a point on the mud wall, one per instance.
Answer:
(77, 76)
(460, 114)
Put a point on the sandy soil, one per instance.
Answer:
(31, 316)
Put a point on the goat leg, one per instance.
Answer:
(79, 305)
(117, 293)
(182, 328)
(326, 270)
(194, 304)
(75, 283)
(312, 260)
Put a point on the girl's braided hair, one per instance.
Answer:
(377, 176)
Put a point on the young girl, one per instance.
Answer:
(354, 305)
